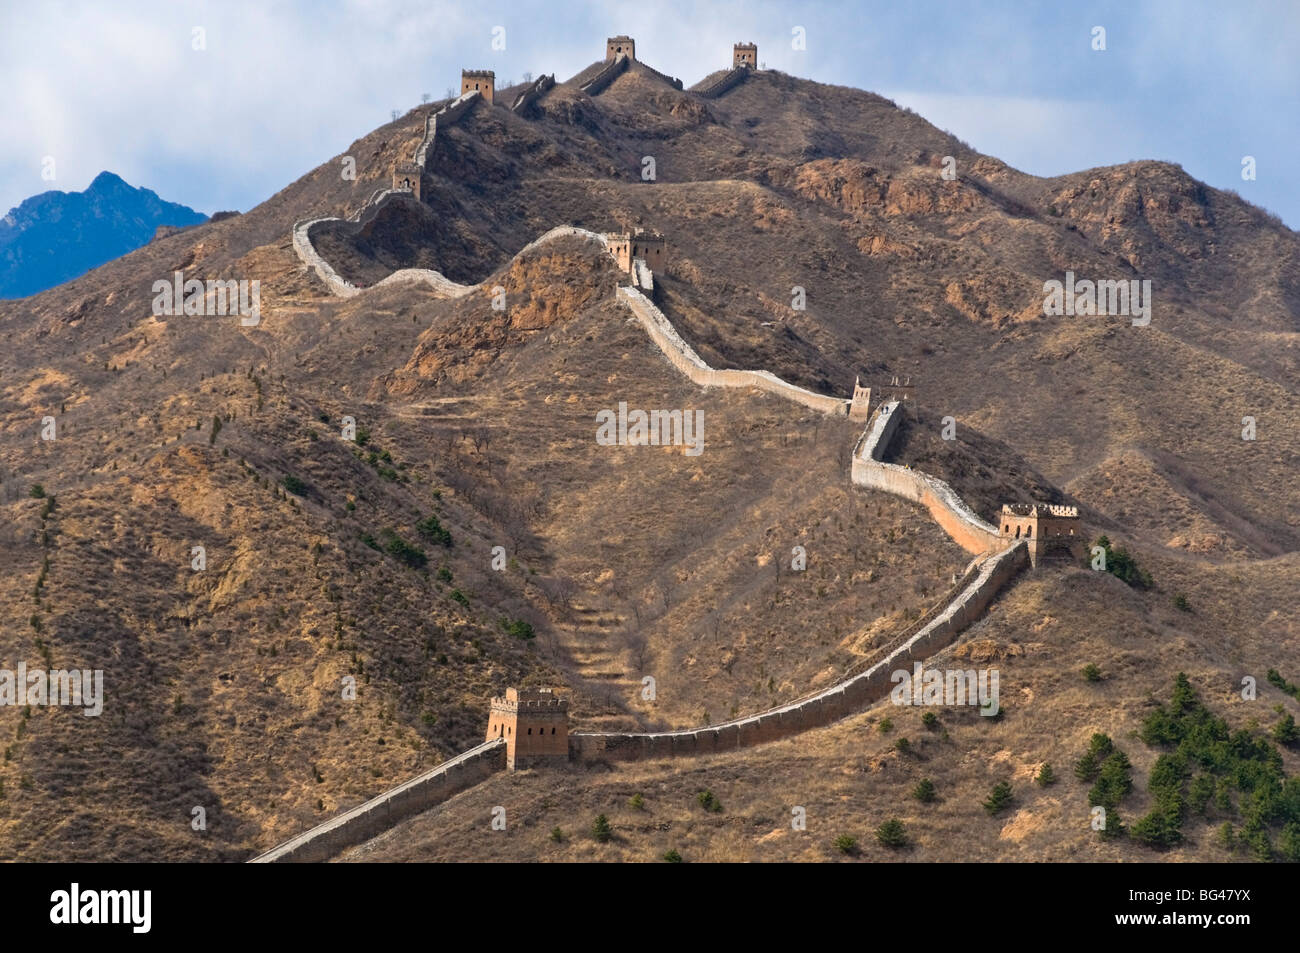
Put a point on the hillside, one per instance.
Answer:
(223, 687)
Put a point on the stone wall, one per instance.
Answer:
(683, 357)
(947, 508)
(533, 93)
(734, 77)
(596, 85)
(825, 707)
(380, 813)
(306, 251)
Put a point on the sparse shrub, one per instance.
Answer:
(1045, 775)
(444, 574)
(924, 791)
(708, 801)
(930, 720)
(846, 844)
(903, 746)
(1181, 603)
(885, 726)
(636, 802)
(37, 492)
(401, 550)
(892, 834)
(1226, 837)
(1277, 681)
(1285, 731)
(459, 597)
(557, 835)
(601, 829)
(1123, 566)
(999, 798)
(518, 628)
(672, 857)
(293, 485)
(431, 529)
(1091, 673)
(216, 429)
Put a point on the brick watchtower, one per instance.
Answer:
(484, 80)
(744, 54)
(1049, 528)
(617, 46)
(534, 723)
(627, 247)
(860, 406)
(408, 177)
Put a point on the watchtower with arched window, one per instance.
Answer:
(534, 723)
(616, 46)
(1049, 528)
(407, 177)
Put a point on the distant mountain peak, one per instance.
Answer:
(55, 236)
(108, 180)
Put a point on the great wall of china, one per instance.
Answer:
(997, 560)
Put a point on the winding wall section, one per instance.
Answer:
(947, 508)
(683, 357)
(996, 562)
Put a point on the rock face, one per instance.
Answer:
(56, 236)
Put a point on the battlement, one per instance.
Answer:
(1040, 510)
(483, 80)
(530, 699)
(617, 46)
(744, 54)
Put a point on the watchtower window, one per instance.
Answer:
(530, 731)
(1029, 531)
(552, 731)
(1017, 532)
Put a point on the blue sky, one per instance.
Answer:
(282, 86)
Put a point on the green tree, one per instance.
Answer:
(601, 829)
(672, 857)
(1045, 775)
(1285, 731)
(1091, 673)
(892, 834)
(924, 790)
(999, 798)
(846, 844)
